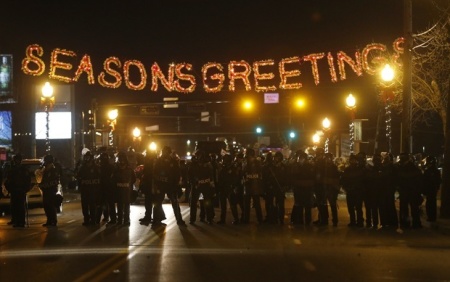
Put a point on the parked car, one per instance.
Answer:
(34, 196)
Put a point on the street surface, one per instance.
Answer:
(202, 252)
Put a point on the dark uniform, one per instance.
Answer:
(18, 183)
(409, 181)
(227, 185)
(302, 175)
(275, 182)
(88, 178)
(388, 210)
(253, 187)
(152, 206)
(108, 191)
(432, 182)
(374, 182)
(352, 180)
(201, 175)
(239, 191)
(123, 179)
(166, 175)
(49, 186)
(327, 189)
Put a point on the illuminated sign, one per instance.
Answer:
(261, 76)
(6, 79)
(60, 125)
(271, 98)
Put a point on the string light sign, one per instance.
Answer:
(179, 77)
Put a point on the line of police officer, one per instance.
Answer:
(242, 182)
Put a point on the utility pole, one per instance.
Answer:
(407, 78)
(445, 190)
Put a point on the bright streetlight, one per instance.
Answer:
(351, 106)
(113, 114)
(112, 119)
(247, 105)
(48, 101)
(326, 124)
(152, 146)
(136, 132)
(350, 102)
(387, 77)
(316, 138)
(387, 73)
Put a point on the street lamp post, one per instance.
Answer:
(387, 76)
(316, 139)
(351, 106)
(48, 100)
(112, 119)
(137, 137)
(326, 129)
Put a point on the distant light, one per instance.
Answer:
(387, 74)
(326, 123)
(170, 106)
(113, 114)
(292, 134)
(316, 138)
(248, 105)
(350, 101)
(47, 90)
(300, 103)
(188, 142)
(136, 132)
(258, 130)
(152, 146)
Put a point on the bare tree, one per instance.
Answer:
(431, 88)
(431, 71)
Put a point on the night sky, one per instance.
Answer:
(199, 31)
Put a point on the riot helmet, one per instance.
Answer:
(48, 159)
(122, 158)
(17, 158)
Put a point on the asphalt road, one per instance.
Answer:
(201, 252)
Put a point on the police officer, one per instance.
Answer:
(374, 181)
(108, 191)
(166, 174)
(352, 180)
(239, 191)
(18, 183)
(409, 181)
(228, 180)
(432, 182)
(253, 187)
(327, 189)
(90, 190)
(302, 174)
(49, 187)
(275, 181)
(123, 179)
(201, 174)
(388, 210)
(146, 187)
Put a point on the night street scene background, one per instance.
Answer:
(181, 71)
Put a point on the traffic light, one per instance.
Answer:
(91, 121)
(292, 134)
